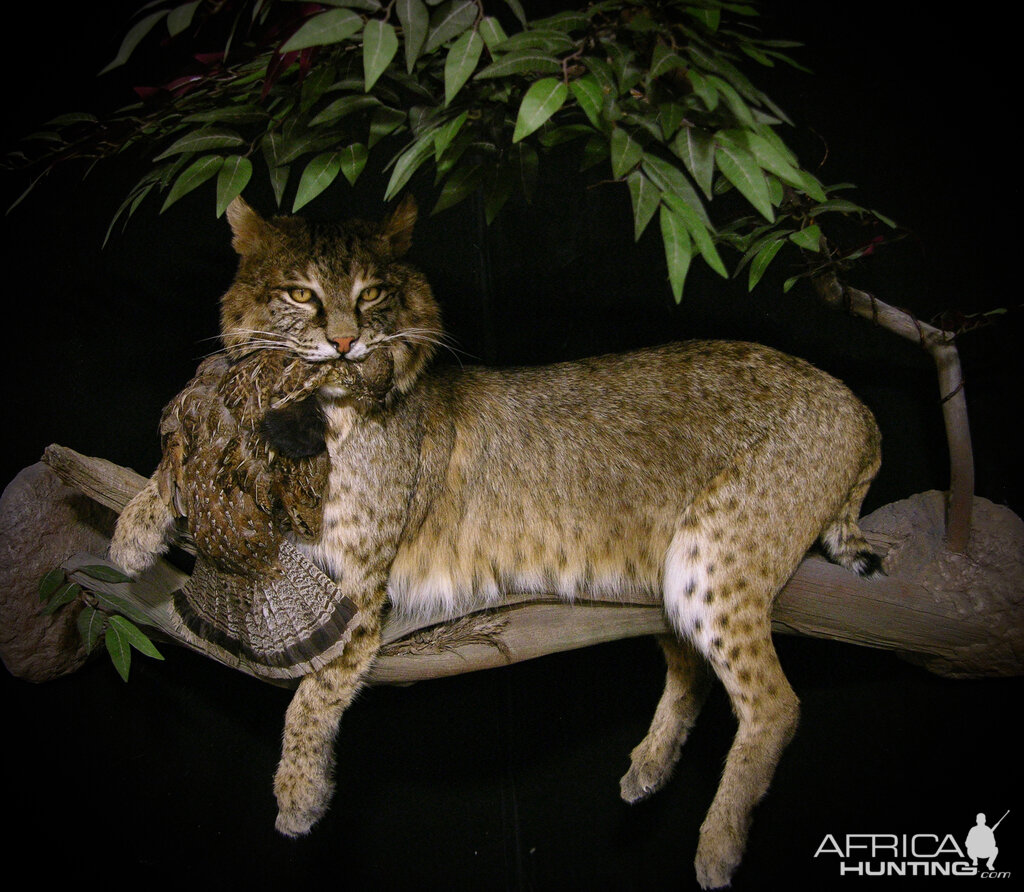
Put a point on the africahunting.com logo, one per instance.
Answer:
(917, 854)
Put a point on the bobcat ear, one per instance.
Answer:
(250, 229)
(397, 229)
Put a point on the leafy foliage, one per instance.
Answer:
(102, 615)
(477, 96)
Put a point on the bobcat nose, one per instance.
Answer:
(343, 344)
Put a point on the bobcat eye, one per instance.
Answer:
(372, 295)
(300, 295)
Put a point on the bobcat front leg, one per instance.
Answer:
(304, 782)
(143, 530)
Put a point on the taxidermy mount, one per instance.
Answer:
(701, 470)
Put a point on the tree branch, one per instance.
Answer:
(941, 346)
(920, 609)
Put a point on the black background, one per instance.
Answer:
(508, 779)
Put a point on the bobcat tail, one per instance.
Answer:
(844, 544)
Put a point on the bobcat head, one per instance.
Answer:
(329, 290)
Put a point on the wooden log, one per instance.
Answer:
(905, 612)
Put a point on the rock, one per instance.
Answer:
(983, 588)
(43, 522)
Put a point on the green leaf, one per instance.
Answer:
(180, 17)
(314, 85)
(739, 168)
(136, 637)
(197, 173)
(326, 28)
(678, 250)
(589, 96)
(625, 64)
(645, 198)
(772, 158)
(888, 221)
(563, 21)
(461, 62)
(203, 140)
(90, 623)
(116, 604)
(461, 183)
(672, 181)
(594, 152)
(64, 595)
(380, 44)
(736, 104)
(696, 149)
(540, 102)
(104, 573)
(492, 32)
(384, 121)
(353, 160)
(699, 232)
(663, 60)
(133, 38)
(409, 162)
(232, 178)
(119, 650)
(761, 261)
(279, 181)
(837, 204)
(444, 134)
(703, 89)
(449, 21)
(547, 40)
(670, 117)
(365, 5)
(787, 286)
(415, 21)
(52, 581)
(521, 62)
(710, 17)
(71, 118)
(318, 174)
(230, 114)
(271, 145)
(517, 10)
(343, 106)
(808, 238)
(626, 152)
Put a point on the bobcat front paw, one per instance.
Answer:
(142, 531)
(130, 556)
(301, 801)
(650, 766)
(643, 779)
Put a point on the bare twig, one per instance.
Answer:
(941, 346)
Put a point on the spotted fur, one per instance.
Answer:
(702, 470)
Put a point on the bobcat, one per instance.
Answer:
(701, 470)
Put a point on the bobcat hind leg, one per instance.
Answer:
(767, 711)
(732, 552)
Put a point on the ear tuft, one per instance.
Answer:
(249, 228)
(398, 227)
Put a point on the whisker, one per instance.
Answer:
(259, 340)
(433, 336)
